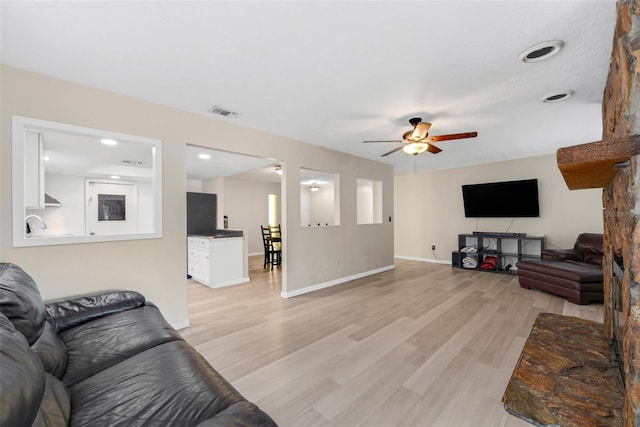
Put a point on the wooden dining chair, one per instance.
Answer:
(275, 234)
(272, 252)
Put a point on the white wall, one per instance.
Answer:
(194, 186)
(246, 203)
(145, 206)
(430, 211)
(69, 217)
(156, 267)
(321, 206)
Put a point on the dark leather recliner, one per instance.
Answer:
(575, 274)
(104, 360)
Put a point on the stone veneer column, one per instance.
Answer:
(621, 198)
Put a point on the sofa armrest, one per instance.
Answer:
(561, 255)
(72, 312)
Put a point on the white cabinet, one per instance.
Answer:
(33, 170)
(216, 262)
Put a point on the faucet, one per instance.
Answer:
(26, 221)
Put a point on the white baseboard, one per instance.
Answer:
(180, 324)
(432, 260)
(330, 283)
(229, 282)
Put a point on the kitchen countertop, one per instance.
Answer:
(221, 233)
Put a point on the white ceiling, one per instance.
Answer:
(337, 73)
(221, 163)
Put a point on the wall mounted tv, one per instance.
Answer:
(501, 199)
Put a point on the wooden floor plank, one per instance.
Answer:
(420, 345)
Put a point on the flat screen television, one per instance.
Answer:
(201, 213)
(506, 199)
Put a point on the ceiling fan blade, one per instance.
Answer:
(395, 140)
(452, 136)
(392, 151)
(433, 149)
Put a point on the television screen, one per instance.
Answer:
(501, 199)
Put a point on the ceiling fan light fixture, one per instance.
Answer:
(421, 131)
(541, 51)
(278, 169)
(415, 148)
(314, 187)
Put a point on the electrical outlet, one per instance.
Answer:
(337, 261)
(433, 247)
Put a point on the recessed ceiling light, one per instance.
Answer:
(107, 141)
(557, 97)
(204, 156)
(541, 51)
(115, 177)
(46, 158)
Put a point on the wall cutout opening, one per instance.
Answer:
(52, 200)
(319, 198)
(369, 201)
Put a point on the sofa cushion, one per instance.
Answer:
(590, 246)
(168, 385)
(589, 242)
(20, 301)
(575, 272)
(22, 378)
(52, 351)
(560, 282)
(55, 409)
(96, 345)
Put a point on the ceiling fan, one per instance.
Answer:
(418, 140)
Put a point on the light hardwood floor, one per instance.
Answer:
(420, 345)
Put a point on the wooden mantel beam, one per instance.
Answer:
(592, 165)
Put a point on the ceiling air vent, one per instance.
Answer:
(221, 111)
(133, 162)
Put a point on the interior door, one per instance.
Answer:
(112, 207)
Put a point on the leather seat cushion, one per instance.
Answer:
(55, 409)
(100, 343)
(22, 378)
(580, 273)
(52, 351)
(142, 390)
(21, 302)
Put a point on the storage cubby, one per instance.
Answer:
(506, 248)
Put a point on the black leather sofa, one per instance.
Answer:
(575, 274)
(104, 360)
